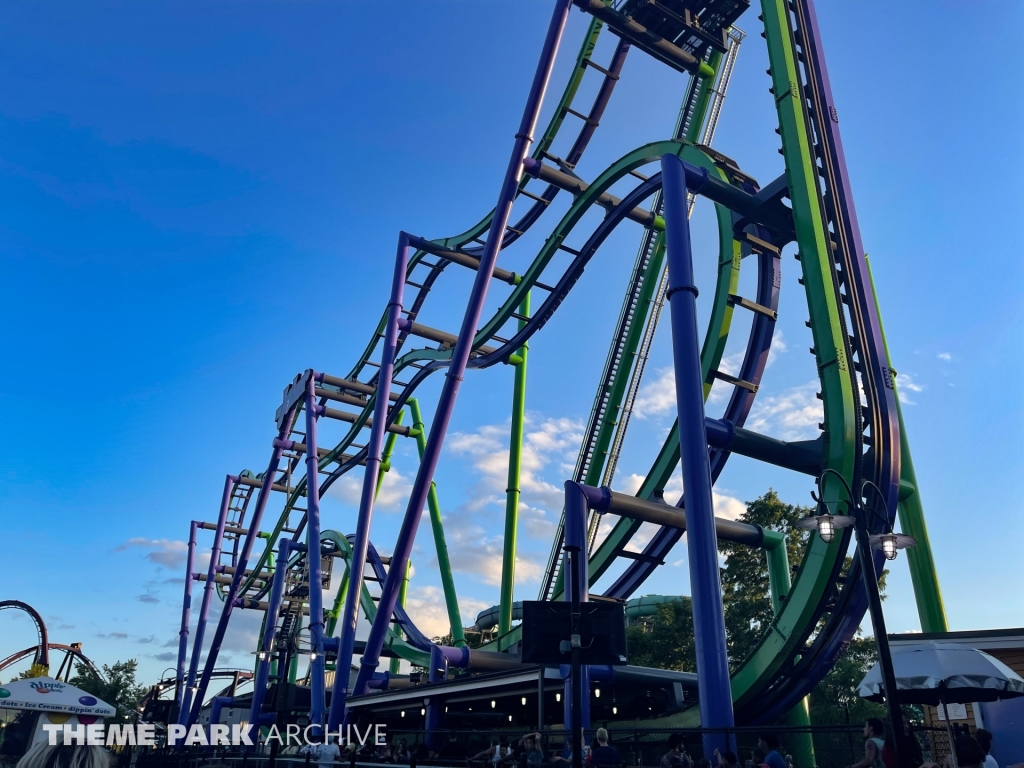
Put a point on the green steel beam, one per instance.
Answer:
(385, 456)
(801, 744)
(703, 100)
(923, 575)
(515, 465)
(403, 597)
(444, 566)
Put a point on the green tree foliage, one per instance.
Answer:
(666, 641)
(36, 670)
(120, 690)
(746, 593)
(835, 700)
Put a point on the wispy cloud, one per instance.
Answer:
(114, 636)
(394, 491)
(945, 356)
(657, 397)
(791, 415)
(427, 605)
(164, 552)
(148, 599)
(906, 384)
(549, 445)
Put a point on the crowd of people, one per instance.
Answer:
(528, 752)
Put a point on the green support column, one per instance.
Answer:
(339, 600)
(385, 456)
(403, 595)
(923, 575)
(443, 563)
(801, 745)
(293, 666)
(515, 465)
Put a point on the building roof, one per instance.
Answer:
(976, 638)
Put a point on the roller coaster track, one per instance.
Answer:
(608, 419)
(860, 434)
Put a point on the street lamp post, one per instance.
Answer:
(889, 543)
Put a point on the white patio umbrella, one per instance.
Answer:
(938, 674)
(44, 694)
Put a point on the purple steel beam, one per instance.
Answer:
(578, 501)
(186, 605)
(875, 343)
(463, 348)
(242, 564)
(702, 541)
(204, 608)
(269, 627)
(350, 614)
(316, 597)
(842, 627)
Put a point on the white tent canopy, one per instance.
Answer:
(934, 672)
(44, 694)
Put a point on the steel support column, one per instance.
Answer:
(204, 609)
(181, 697)
(463, 348)
(266, 648)
(515, 466)
(928, 594)
(242, 563)
(350, 617)
(702, 542)
(318, 693)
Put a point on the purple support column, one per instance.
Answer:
(702, 541)
(186, 605)
(463, 347)
(350, 613)
(204, 608)
(266, 648)
(243, 563)
(316, 607)
(577, 685)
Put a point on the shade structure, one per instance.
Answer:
(951, 673)
(44, 694)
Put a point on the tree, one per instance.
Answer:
(746, 592)
(120, 690)
(666, 641)
(834, 700)
(36, 670)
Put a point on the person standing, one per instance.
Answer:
(770, 745)
(874, 741)
(605, 754)
(984, 738)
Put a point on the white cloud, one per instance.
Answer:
(394, 492)
(630, 483)
(657, 397)
(427, 607)
(548, 445)
(163, 552)
(945, 356)
(728, 507)
(905, 385)
(792, 415)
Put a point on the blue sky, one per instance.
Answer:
(200, 200)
